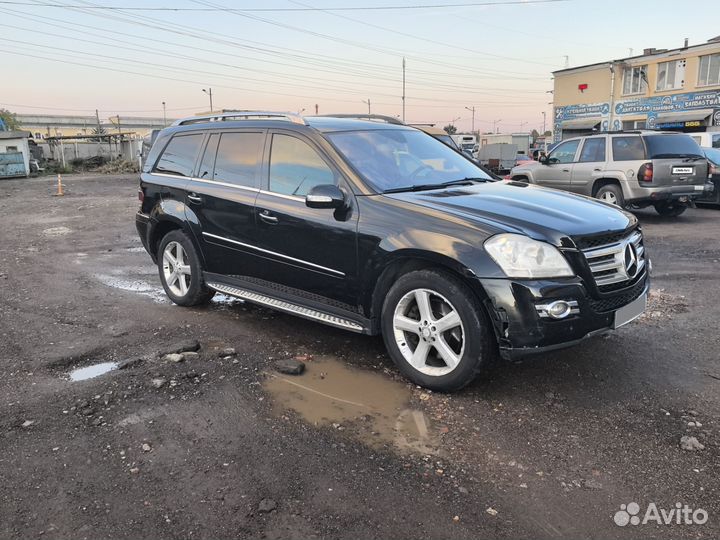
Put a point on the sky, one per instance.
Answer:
(75, 56)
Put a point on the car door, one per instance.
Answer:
(222, 198)
(307, 249)
(557, 170)
(590, 165)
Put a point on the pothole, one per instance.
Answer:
(137, 286)
(90, 372)
(367, 405)
(57, 231)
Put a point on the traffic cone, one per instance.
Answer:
(60, 191)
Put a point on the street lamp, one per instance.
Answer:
(164, 115)
(367, 103)
(473, 117)
(209, 93)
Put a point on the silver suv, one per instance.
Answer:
(630, 169)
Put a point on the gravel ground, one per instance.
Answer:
(219, 445)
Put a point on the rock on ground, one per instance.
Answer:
(290, 366)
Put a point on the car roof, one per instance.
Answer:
(332, 123)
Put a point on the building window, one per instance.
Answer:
(633, 124)
(670, 75)
(709, 73)
(635, 80)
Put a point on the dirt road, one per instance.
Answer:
(219, 445)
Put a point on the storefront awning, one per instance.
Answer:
(685, 116)
(581, 123)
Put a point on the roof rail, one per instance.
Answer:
(372, 117)
(241, 115)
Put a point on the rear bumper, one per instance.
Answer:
(521, 330)
(142, 224)
(670, 193)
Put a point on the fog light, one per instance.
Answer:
(558, 309)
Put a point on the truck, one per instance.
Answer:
(498, 157)
(465, 141)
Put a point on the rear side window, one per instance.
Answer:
(593, 150)
(179, 155)
(628, 149)
(671, 146)
(295, 167)
(716, 141)
(238, 157)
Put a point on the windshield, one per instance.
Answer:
(713, 154)
(393, 159)
(447, 139)
(671, 146)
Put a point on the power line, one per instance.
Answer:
(281, 10)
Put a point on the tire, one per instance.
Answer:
(451, 358)
(666, 209)
(611, 194)
(180, 270)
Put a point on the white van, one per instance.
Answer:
(709, 139)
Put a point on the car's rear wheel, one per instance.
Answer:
(436, 330)
(670, 209)
(611, 194)
(181, 271)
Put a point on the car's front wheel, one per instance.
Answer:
(436, 330)
(181, 271)
(672, 209)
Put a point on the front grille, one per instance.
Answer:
(617, 261)
(589, 242)
(615, 302)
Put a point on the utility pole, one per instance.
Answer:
(367, 103)
(495, 122)
(543, 123)
(209, 93)
(403, 94)
(316, 108)
(567, 61)
(164, 115)
(473, 117)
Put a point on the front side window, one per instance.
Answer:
(179, 155)
(396, 159)
(593, 150)
(238, 157)
(628, 149)
(564, 152)
(635, 80)
(709, 73)
(671, 75)
(295, 167)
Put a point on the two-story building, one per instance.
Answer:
(676, 89)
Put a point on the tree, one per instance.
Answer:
(548, 133)
(9, 119)
(450, 129)
(534, 134)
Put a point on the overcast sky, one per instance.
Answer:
(496, 58)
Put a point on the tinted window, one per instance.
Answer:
(565, 152)
(208, 161)
(179, 155)
(713, 154)
(671, 146)
(593, 150)
(295, 167)
(627, 149)
(716, 141)
(237, 159)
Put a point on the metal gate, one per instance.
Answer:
(12, 164)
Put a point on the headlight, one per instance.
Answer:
(523, 257)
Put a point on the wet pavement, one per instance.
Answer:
(549, 447)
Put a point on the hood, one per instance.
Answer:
(518, 169)
(544, 214)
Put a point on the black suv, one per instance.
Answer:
(381, 229)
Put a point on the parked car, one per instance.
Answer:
(713, 157)
(522, 159)
(639, 168)
(378, 228)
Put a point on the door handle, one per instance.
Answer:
(268, 218)
(597, 170)
(194, 198)
(566, 170)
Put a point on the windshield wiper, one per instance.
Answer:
(425, 187)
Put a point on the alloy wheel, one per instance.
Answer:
(176, 270)
(429, 332)
(609, 197)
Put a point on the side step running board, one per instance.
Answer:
(288, 307)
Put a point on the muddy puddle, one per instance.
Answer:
(367, 405)
(90, 372)
(140, 287)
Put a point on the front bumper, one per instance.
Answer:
(519, 328)
(670, 193)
